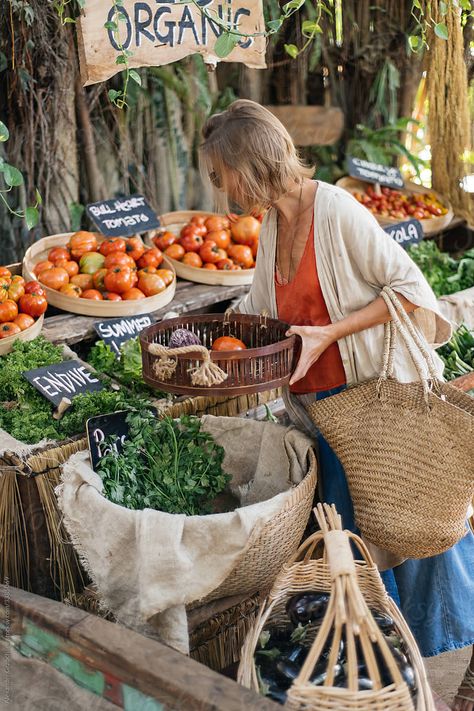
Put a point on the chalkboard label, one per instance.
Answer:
(122, 217)
(106, 434)
(406, 233)
(116, 331)
(374, 173)
(63, 380)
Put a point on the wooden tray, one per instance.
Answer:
(38, 252)
(26, 335)
(174, 222)
(430, 225)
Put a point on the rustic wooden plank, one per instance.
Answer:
(46, 613)
(464, 382)
(71, 328)
(311, 125)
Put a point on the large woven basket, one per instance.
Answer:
(355, 589)
(265, 364)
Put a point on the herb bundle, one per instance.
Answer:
(444, 274)
(458, 353)
(168, 465)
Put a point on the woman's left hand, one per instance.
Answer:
(315, 340)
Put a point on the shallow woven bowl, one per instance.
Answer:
(267, 362)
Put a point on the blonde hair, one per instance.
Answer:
(249, 142)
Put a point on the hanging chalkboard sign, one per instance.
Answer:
(106, 434)
(63, 380)
(124, 216)
(375, 173)
(406, 233)
(116, 331)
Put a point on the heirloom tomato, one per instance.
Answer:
(191, 242)
(8, 311)
(42, 266)
(24, 321)
(92, 294)
(59, 253)
(112, 244)
(119, 259)
(70, 266)
(192, 259)
(71, 290)
(3, 293)
(241, 255)
(225, 264)
(17, 279)
(228, 343)
(83, 281)
(54, 278)
(91, 262)
(166, 274)
(175, 251)
(220, 237)
(82, 242)
(217, 222)
(34, 304)
(254, 249)
(133, 294)
(246, 230)
(199, 220)
(119, 279)
(34, 287)
(147, 270)
(110, 296)
(209, 252)
(9, 329)
(190, 229)
(15, 291)
(150, 258)
(164, 240)
(208, 265)
(98, 278)
(135, 248)
(4, 272)
(151, 284)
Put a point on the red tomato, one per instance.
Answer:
(225, 264)
(118, 259)
(57, 253)
(24, 321)
(150, 258)
(245, 230)
(210, 266)
(118, 280)
(34, 287)
(82, 242)
(217, 222)
(228, 343)
(92, 294)
(166, 274)
(209, 252)
(112, 244)
(164, 240)
(71, 267)
(71, 290)
(220, 237)
(146, 270)
(135, 248)
(241, 255)
(110, 296)
(175, 251)
(191, 242)
(151, 284)
(83, 281)
(42, 266)
(254, 249)
(98, 279)
(34, 304)
(8, 311)
(133, 294)
(192, 259)
(54, 278)
(9, 329)
(199, 220)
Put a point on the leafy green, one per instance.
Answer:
(126, 370)
(444, 274)
(165, 464)
(458, 353)
(25, 355)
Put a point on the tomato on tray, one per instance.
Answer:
(228, 343)
(33, 303)
(119, 279)
(9, 329)
(8, 311)
(112, 244)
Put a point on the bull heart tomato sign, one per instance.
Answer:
(155, 33)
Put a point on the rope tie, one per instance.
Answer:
(207, 374)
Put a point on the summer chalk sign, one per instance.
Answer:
(156, 32)
(123, 217)
(63, 380)
(374, 173)
(116, 331)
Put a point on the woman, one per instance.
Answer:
(322, 262)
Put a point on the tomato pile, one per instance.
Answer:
(115, 270)
(20, 303)
(214, 242)
(401, 206)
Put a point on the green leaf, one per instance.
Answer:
(12, 176)
(38, 198)
(417, 4)
(121, 59)
(75, 213)
(310, 28)
(441, 30)
(292, 50)
(225, 44)
(293, 5)
(135, 76)
(4, 133)
(110, 25)
(112, 94)
(274, 25)
(31, 217)
(414, 42)
(443, 8)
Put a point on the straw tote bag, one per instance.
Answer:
(407, 449)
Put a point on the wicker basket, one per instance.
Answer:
(354, 587)
(265, 364)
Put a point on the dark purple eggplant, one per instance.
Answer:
(320, 673)
(288, 669)
(296, 654)
(384, 622)
(365, 683)
(270, 675)
(276, 694)
(307, 607)
(326, 651)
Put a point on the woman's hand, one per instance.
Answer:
(315, 340)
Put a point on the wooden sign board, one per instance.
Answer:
(63, 380)
(123, 217)
(375, 173)
(116, 331)
(311, 125)
(157, 32)
(406, 233)
(107, 434)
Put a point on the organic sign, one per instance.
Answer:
(158, 32)
(374, 173)
(116, 331)
(406, 233)
(107, 433)
(122, 217)
(63, 380)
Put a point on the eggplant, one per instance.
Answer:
(320, 673)
(384, 622)
(296, 654)
(270, 676)
(307, 607)
(276, 694)
(288, 669)
(365, 683)
(326, 651)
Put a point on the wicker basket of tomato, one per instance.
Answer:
(22, 305)
(217, 354)
(208, 248)
(89, 274)
(391, 206)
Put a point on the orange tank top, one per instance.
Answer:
(301, 303)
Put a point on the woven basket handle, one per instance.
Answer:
(207, 374)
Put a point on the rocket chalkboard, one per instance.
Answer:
(106, 434)
(406, 233)
(116, 331)
(63, 380)
(122, 217)
(374, 173)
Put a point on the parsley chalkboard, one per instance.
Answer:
(374, 173)
(116, 331)
(63, 380)
(122, 217)
(406, 233)
(107, 433)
